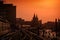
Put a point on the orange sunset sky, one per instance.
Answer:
(46, 10)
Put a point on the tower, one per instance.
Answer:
(34, 22)
(56, 25)
(35, 25)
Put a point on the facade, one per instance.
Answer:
(57, 25)
(8, 12)
(48, 33)
(4, 25)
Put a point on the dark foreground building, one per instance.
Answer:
(8, 12)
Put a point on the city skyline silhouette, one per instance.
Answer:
(19, 28)
(46, 10)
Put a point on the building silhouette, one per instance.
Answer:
(34, 25)
(35, 21)
(57, 25)
(8, 12)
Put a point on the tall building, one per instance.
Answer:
(58, 27)
(8, 12)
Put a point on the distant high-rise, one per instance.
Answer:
(58, 27)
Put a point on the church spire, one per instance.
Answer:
(34, 15)
(35, 18)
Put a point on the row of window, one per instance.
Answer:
(4, 26)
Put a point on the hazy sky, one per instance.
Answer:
(47, 10)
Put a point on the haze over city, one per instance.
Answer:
(46, 10)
